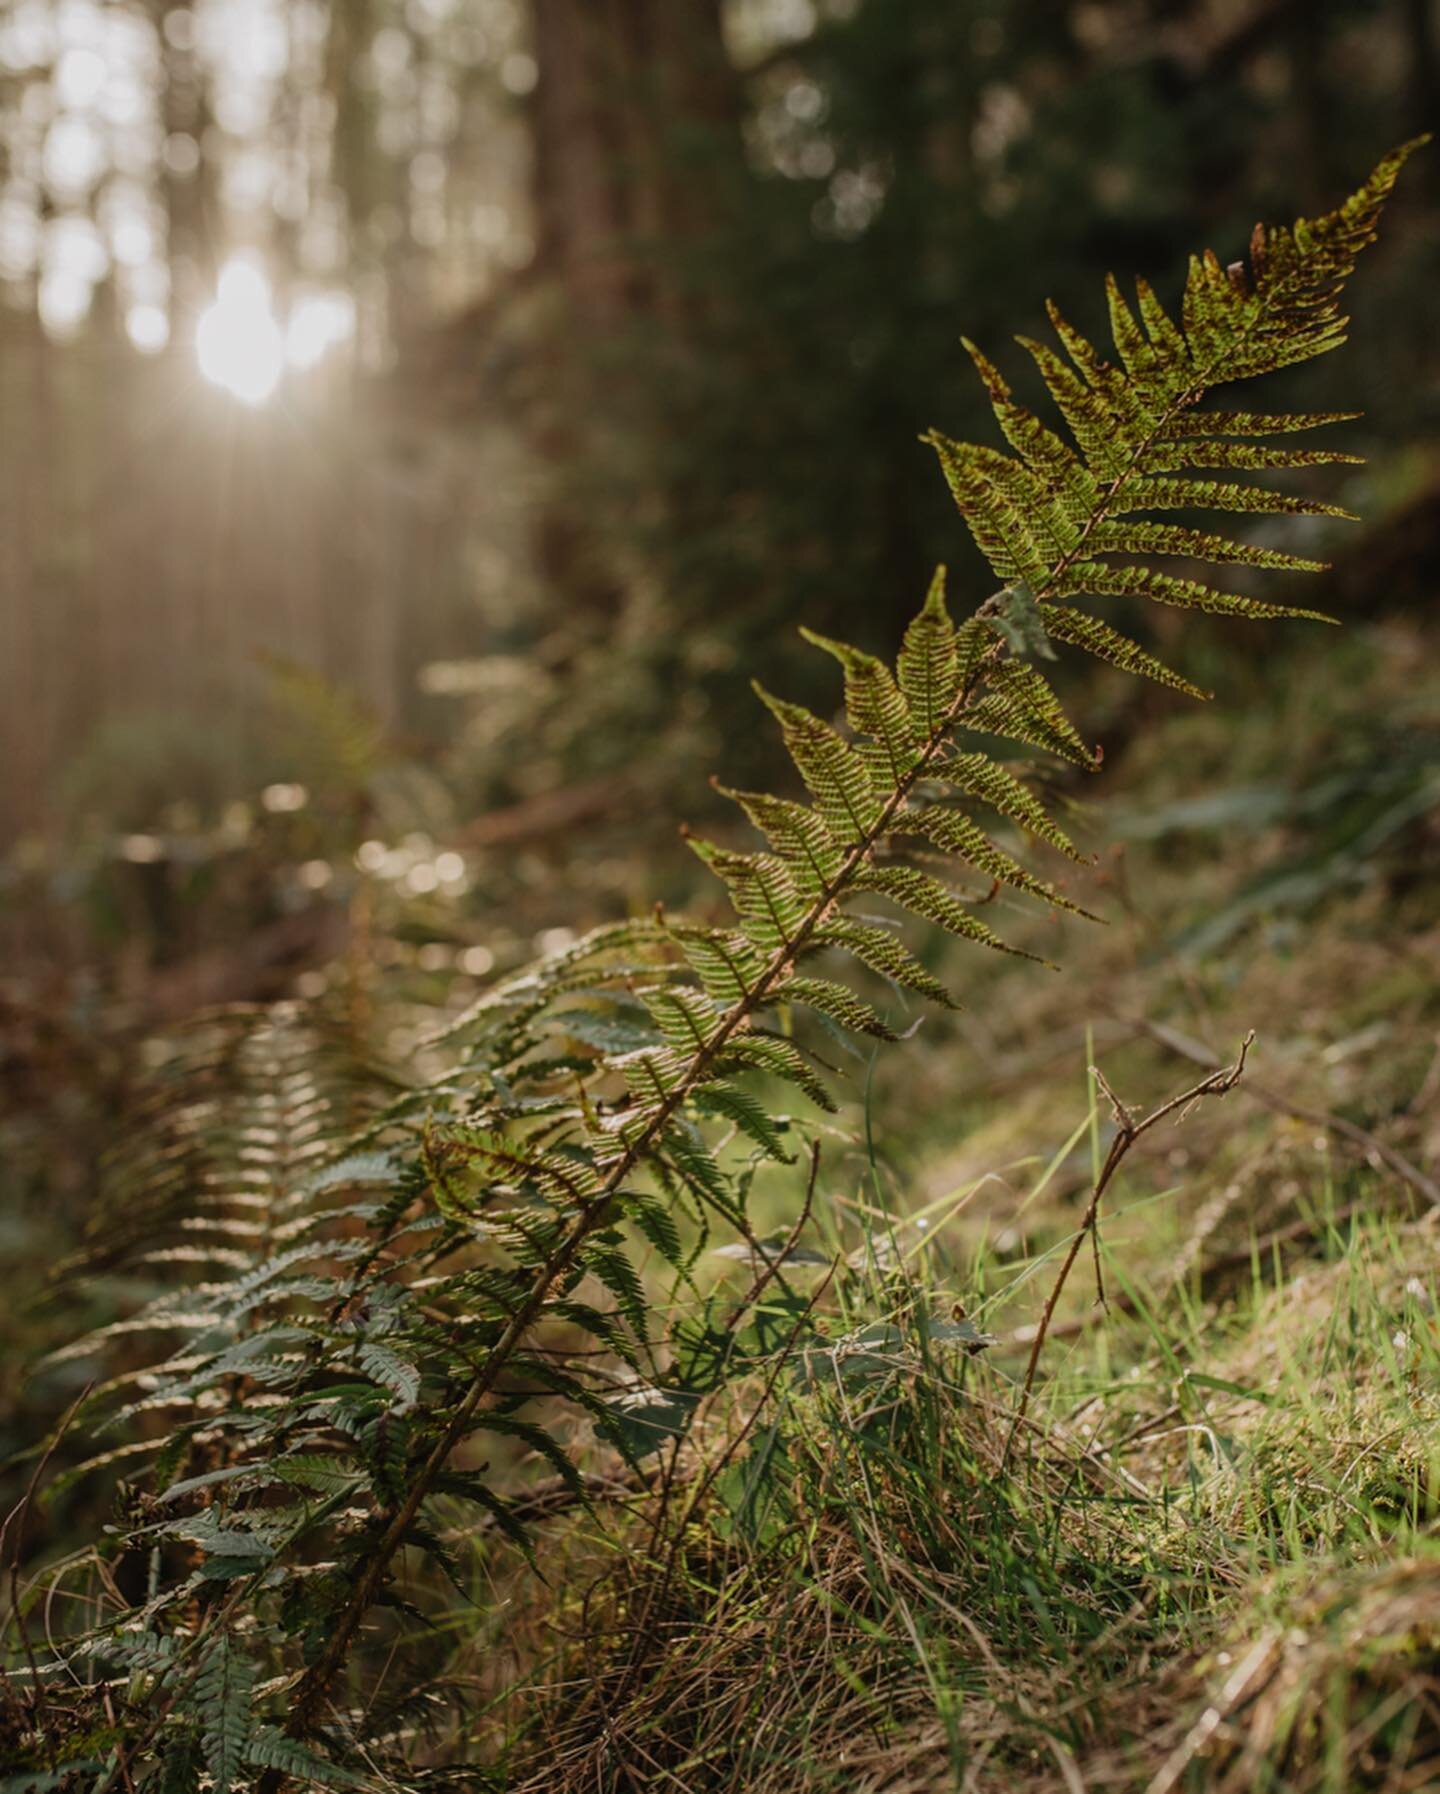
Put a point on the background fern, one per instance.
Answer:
(367, 1331)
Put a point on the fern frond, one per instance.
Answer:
(227, 1136)
(1050, 514)
(606, 1092)
(926, 897)
(1082, 629)
(222, 1701)
(977, 775)
(885, 954)
(1019, 705)
(836, 1001)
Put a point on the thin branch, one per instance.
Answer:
(1127, 1131)
(1374, 1147)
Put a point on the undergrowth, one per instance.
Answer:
(444, 1458)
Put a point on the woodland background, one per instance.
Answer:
(602, 333)
(611, 328)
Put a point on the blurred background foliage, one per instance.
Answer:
(567, 353)
(422, 417)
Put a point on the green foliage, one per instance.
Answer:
(1048, 517)
(383, 1329)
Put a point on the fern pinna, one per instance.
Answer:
(419, 1316)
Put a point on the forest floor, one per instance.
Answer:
(1207, 1556)
(1204, 1551)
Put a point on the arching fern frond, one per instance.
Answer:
(1050, 516)
(213, 1163)
(607, 1094)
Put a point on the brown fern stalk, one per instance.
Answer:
(1048, 518)
(314, 1685)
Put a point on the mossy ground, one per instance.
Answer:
(1209, 1558)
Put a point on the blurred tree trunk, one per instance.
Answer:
(1423, 43)
(636, 140)
(635, 108)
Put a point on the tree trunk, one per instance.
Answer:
(636, 131)
(636, 116)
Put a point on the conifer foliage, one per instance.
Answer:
(342, 1368)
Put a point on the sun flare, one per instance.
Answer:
(238, 343)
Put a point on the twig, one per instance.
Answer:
(17, 1518)
(1374, 1147)
(773, 1264)
(1302, 1229)
(1127, 1131)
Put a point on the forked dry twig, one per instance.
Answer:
(1376, 1150)
(1128, 1129)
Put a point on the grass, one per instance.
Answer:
(1207, 1556)
(1212, 1558)
(869, 1601)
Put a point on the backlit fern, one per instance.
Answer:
(414, 1316)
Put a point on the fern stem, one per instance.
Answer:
(313, 1685)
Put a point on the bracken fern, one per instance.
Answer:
(416, 1300)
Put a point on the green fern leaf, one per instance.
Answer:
(834, 773)
(1020, 706)
(977, 775)
(540, 1442)
(767, 1053)
(926, 897)
(1252, 423)
(1082, 630)
(1115, 536)
(513, 1177)
(657, 1224)
(1047, 514)
(507, 1161)
(929, 671)
(1095, 579)
(874, 705)
(390, 1371)
(610, 1266)
(835, 1001)
(601, 1326)
(955, 833)
(797, 834)
(1160, 493)
(726, 964)
(222, 1702)
(686, 1018)
(269, 1748)
(884, 954)
(693, 1162)
(652, 1076)
(766, 900)
(740, 1107)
